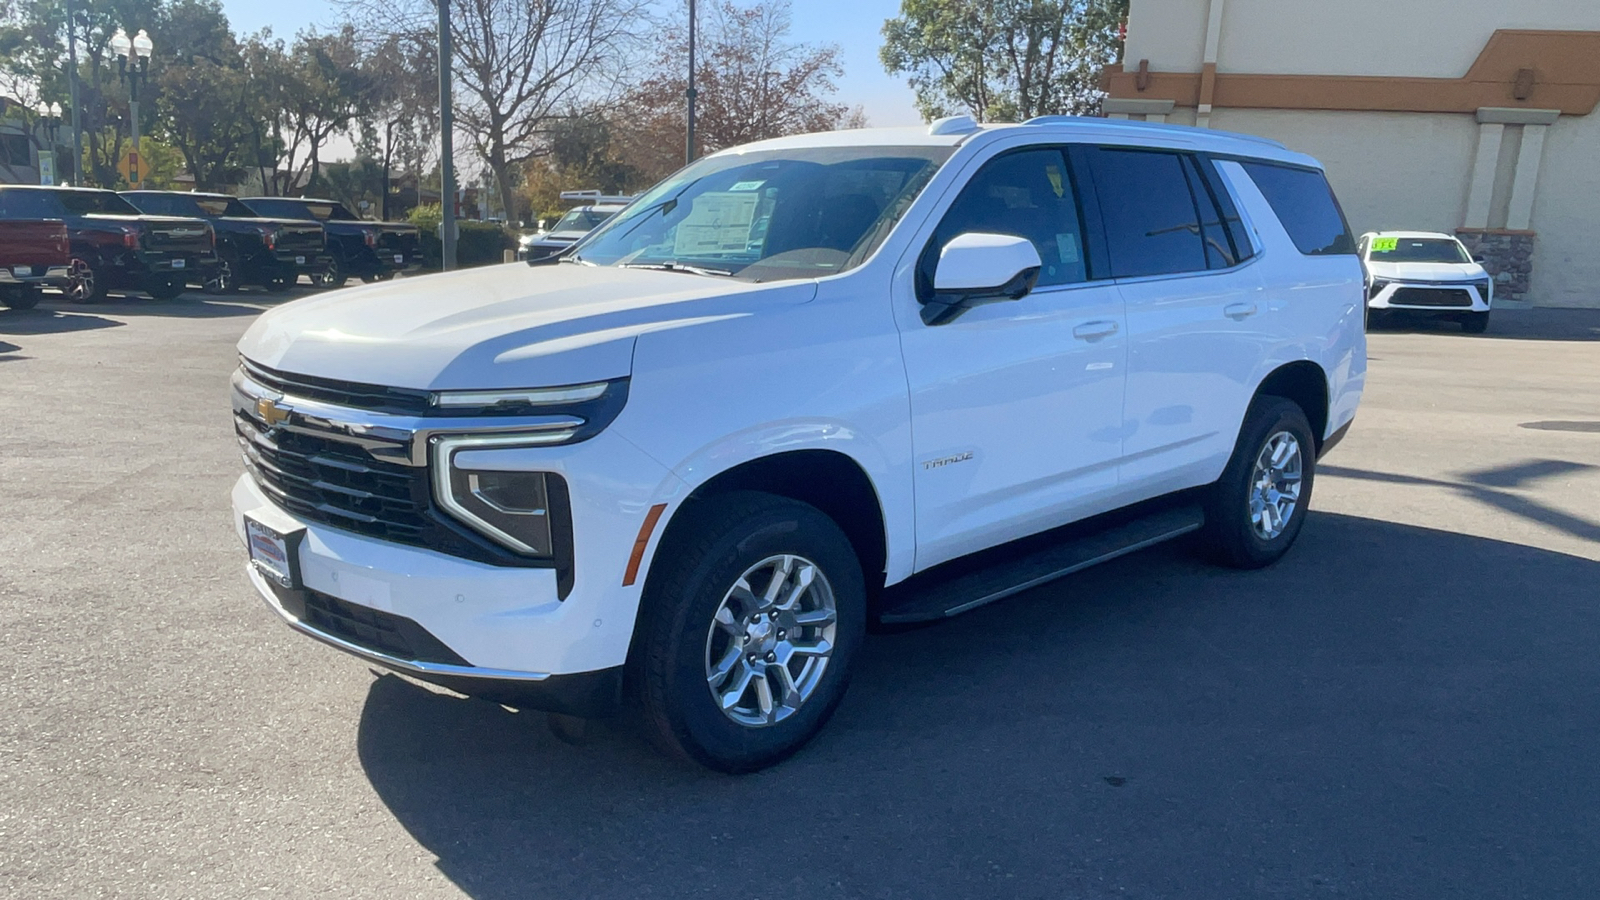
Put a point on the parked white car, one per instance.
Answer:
(573, 226)
(1428, 272)
(691, 459)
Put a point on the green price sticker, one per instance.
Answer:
(1385, 245)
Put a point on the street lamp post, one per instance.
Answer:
(447, 164)
(139, 48)
(50, 123)
(72, 82)
(688, 149)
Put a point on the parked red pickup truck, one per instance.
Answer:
(33, 254)
(113, 245)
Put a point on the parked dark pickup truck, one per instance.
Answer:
(113, 245)
(371, 251)
(33, 254)
(252, 249)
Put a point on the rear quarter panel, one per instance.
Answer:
(33, 242)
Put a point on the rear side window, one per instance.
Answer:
(1305, 205)
(1152, 226)
(29, 205)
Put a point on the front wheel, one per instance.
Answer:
(83, 282)
(749, 630)
(375, 277)
(1475, 323)
(165, 288)
(1255, 510)
(223, 278)
(331, 277)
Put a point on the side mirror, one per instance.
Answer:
(1479, 258)
(976, 269)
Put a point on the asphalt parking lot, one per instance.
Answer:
(1407, 706)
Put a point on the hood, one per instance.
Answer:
(1427, 271)
(505, 326)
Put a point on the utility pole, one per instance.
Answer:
(447, 164)
(77, 111)
(688, 150)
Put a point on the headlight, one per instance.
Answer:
(1484, 289)
(513, 509)
(1376, 287)
(492, 400)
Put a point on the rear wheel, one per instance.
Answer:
(20, 297)
(277, 284)
(1475, 323)
(749, 631)
(167, 287)
(376, 277)
(83, 282)
(1255, 510)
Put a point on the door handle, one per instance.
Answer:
(1094, 331)
(1240, 311)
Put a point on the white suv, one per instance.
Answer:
(1426, 272)
(768, 402)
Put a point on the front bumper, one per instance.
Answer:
(1427, 296)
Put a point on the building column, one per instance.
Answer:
(1480, 196)
(1208, 67)
(1506, 248)
(1526, 183)
(1147, 110)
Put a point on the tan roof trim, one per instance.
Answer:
(1564, 68)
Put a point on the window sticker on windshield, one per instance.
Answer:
(1385, 245)
(719, 223)
(747, 186)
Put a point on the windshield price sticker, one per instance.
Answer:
(1385, 245)
(719, 223)
(747, 186)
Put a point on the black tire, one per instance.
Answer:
(223, 279)
(1475, 323)
(277, 284)
(331, 277)
(713, 545)
(1231, 534)
(84, 284)
(375, 277)
(168, 287)
(20, 297)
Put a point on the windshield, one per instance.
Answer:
(286, 208)
(769, 215)
(1417, 250)
(581, 220)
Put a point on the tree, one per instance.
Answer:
(519, 65)
(752, 83)
(1004, 60)
(206, 99)
(400, 124)
(313, 90)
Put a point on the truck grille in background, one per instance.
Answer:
(351, 394)
(1443, 297)
(337, 483)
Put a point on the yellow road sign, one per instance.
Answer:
(131, 168)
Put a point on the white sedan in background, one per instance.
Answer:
(1426, 272)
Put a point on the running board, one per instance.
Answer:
(929, 597)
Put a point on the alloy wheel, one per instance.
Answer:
(1275, 485)
(771, 640)
(80, 281)
(221, 279)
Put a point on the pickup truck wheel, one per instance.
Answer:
(277, 284)
(165, 288)
(331, 277)
(749, 631)
(83, 282)
(1255, 510)
(20, 297)
(376, 277)
(224, 277)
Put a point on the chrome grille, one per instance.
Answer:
(351, 394)
(337, 483)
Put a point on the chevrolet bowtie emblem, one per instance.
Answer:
(270, 413)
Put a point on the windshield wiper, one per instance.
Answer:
(676, 267)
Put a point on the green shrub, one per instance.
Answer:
(479, 243)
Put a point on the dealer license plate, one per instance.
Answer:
(299, 260)
(179, 263)
(400, 258)
(273, 553)
(22, 271)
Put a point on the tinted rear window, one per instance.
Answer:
(15, 204)
(1151, 223)
(1305, 205)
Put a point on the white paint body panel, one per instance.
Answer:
(724, 372)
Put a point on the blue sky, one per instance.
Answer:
(854, 25)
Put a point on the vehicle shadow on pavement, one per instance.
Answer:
(1390, 711)
(42, 320)
(1540, 324)
(188, 306)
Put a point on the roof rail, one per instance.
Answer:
(1139, 123)
(953, 125)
